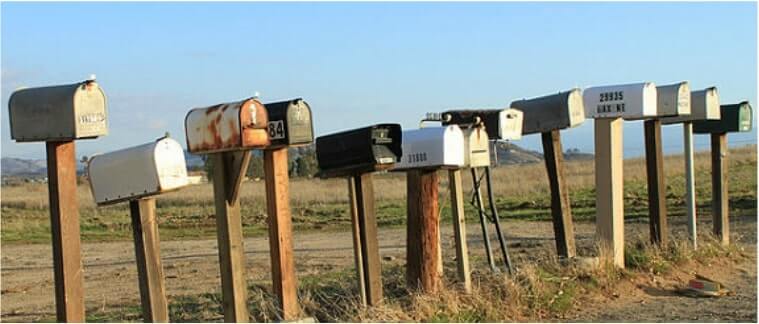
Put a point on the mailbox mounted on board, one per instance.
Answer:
(735, 118)
(58, 113)
(673, 99)
(290, 123)
(704, 106)
(547, 113)
(432, 148)
(232, 126)
(367, 149)
(501, 124)
(132, 173)
(628, 101)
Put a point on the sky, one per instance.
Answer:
(358, 64)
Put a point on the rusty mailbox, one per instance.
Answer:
(547, 113)
(501, 124)
(290, 123)
(360, 150)
(227, 127)
(704, 106)
(58, 113)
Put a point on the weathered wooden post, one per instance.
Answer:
(608, 105)
(137, 174)
(733, 118)
(548, 115)
(356, 154)
(58, 115)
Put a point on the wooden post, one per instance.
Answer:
(657, 191)
(719, 188)
(155, 307)
(64, 225)
(422, 231)
(690, 183)
(459, 229)
(228, 171)
(367, 225)
(561, 210)
(609, 188)
(280, 232)
(357, 244)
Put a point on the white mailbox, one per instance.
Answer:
(551, 112)
(501, 124)
(628, 101)
(476, 147)
(432, 148)
(704, 106)
(673, 99)
(136, 172)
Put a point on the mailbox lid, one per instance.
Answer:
(628, 101)
(735, 118)
(501, 124)
(704, 106)
(139, 171)
(673, 99)
(290, 123)
(557, 111)
(359, 149)
(432, 147)
(65, 112)
(476, 147)
(227, 127)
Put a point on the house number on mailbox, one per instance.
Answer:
(417, 157)
(277, 129)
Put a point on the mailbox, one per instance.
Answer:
(58, 113)
(476, 147)
(628, 101)
(704, 106)
(432, 148)
(290, 123)
(359, 150)
(501, 124)
(227, 127)
(673, 99)
(735, 118)
(547, 113)
(135, 172)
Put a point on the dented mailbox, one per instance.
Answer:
(476, 147)
(547, 113)
(735, 118)
(232, 126)
(501, 124)
(704, 106)
(628, 101)
(673, 99)
(359, 150)
(136, 172)
(58, 113)
(290, 123)
(432, 148)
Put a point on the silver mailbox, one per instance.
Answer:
(673, 99)
(547, 113)
(704, 106)
(58, 113)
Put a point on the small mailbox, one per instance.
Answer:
(704, 106)
(628, 101)
(735, 118)
(476, 147)
(359, 150)
(432, 148)
(290, 123)
(547, 113)
(227, 127)
(673, 99)
(136, 172)
(501, 124)
(58, 113)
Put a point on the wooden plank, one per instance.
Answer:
(422, 231)
(459, 230)
(368, 234)
(690, 183)
(657, 190)
(230, 240)
(609, 188)
(357, 257)
(719, 188)
(64, 225)
(280, 232)
(155, 307)
(561, 210)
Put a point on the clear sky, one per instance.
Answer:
(364, 63)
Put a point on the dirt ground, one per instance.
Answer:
(191, 268)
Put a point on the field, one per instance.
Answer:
(542, 289)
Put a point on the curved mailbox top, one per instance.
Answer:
(432, 148)
(136, 172)
(290, 123)
(58, 113)
(501, 124)
(628, 101)
(704, 106)
(673, 99)
(227, 127)
(735, 118)
(557, 111)
(360, 150)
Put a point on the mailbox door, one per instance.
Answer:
(745, 117)
(510, 125)
(227, 127)
(547, 113)
(432, 147)
(673, 99)
(629, 101)
(477, 147)
(90, 111)
(170, 165)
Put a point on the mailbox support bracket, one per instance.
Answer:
(147, 250)
(561, 210)
(609, 188)
(719, 188)
(422, 231)
(657, 191)
(459, 229)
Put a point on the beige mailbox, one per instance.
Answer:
(227, 127)
(673, 99)
(58, 113)
(704, 106)
(476, 147)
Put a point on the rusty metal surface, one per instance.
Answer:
(227, 127)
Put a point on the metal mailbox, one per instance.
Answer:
(735, 118)
(359, 150)
(673, 99)
(290, 123)
(628, 101)
(476, 147)
(58, 113)
(135, 172)
(704, 106)
(432, 148)
(227, 127)
(501, 124)
(547, 113)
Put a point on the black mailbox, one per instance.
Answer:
(500, 124)
(359, 150)
(290, 123)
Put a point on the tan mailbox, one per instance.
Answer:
(227, 127)
(673, 99)
(476, 147)
(58, 113)
(704, 106)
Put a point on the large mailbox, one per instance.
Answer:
(501, 124)
(735, 118)
(704, 106)
(290, 123)
(136, 172)
(673, 99)
(476, 147)
(227, 127)
(547, 113)
(432, 148)
(58, 113)
(628, 101)
(359, 150)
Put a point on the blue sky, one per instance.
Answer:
(363, 63)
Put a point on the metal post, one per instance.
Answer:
(690, 183)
